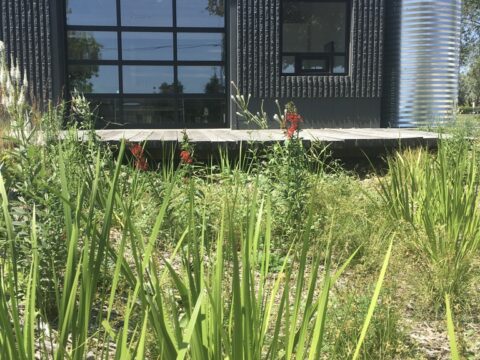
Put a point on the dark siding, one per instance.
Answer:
(390, 104)
(259, 56)
(25, 30)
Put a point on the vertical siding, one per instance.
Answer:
(259, 54)
(25, 30)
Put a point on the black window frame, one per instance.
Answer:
(175, 63)
(328, 56)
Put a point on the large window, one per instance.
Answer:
(149, 63)
(315, 37)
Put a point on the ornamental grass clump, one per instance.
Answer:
(200, 302)
(437, 195)
(15, 114)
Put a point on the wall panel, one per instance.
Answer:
(25, 29)
(259, 55)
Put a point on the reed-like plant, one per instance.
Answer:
(216, 302)
(217, 294)
(438, 196)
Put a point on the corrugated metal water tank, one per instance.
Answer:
(422, 48)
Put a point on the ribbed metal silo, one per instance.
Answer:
(422, 48)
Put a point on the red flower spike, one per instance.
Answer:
(185, 157)
(140, 161)
(137, 151)
(294, 119)
(291, 130)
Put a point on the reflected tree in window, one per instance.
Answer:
(215, 86)
(216, 7)
(85, 47)
(80, 76)
(166, 88)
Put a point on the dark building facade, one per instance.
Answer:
(169, 63)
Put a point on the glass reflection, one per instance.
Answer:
(340, 65)
(319, 65)
(200, 46)
(312, 26)
(145, 112)
(147, 12)
(107, 111)
(202, 79)
(93, 78)
(91, 12)
(288, 64)
(203, 113)
(92, 45)
(147, 46)
(148, 79)
(201, 13)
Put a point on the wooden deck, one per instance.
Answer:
(337, 139)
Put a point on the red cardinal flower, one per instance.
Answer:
(294, 119)
(185, 157)
(140, 161)
(137, 151)
(291, 130)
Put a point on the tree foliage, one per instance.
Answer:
(470, 31)
(470, 53)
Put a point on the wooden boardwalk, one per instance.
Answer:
(340, 139)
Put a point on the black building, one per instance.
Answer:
(169, 63)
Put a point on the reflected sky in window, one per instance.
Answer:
(148, 79)
(147, 46)
(91, 12)
(202, 79)
(95, 79)
(200, 13)
(147, 12)
(200, 46)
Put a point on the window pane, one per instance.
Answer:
(340, 65)
(200, 13)
(92, 45)
(201, 79)
(319, 65)
(203, 113)
(195, 46)
(314, 26)
(288, 64)
(93, 78)
(146, 12)
(107, 111)
(148, 79)
(147, 46)
(91, 12)
(149, 112)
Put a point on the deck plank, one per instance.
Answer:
(342, 138)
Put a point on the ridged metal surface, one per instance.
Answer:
(422, 57)
(25, 30)
(259, 55)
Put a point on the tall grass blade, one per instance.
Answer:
(451, 330)
(373, 302)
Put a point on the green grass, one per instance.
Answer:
(276, 254)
